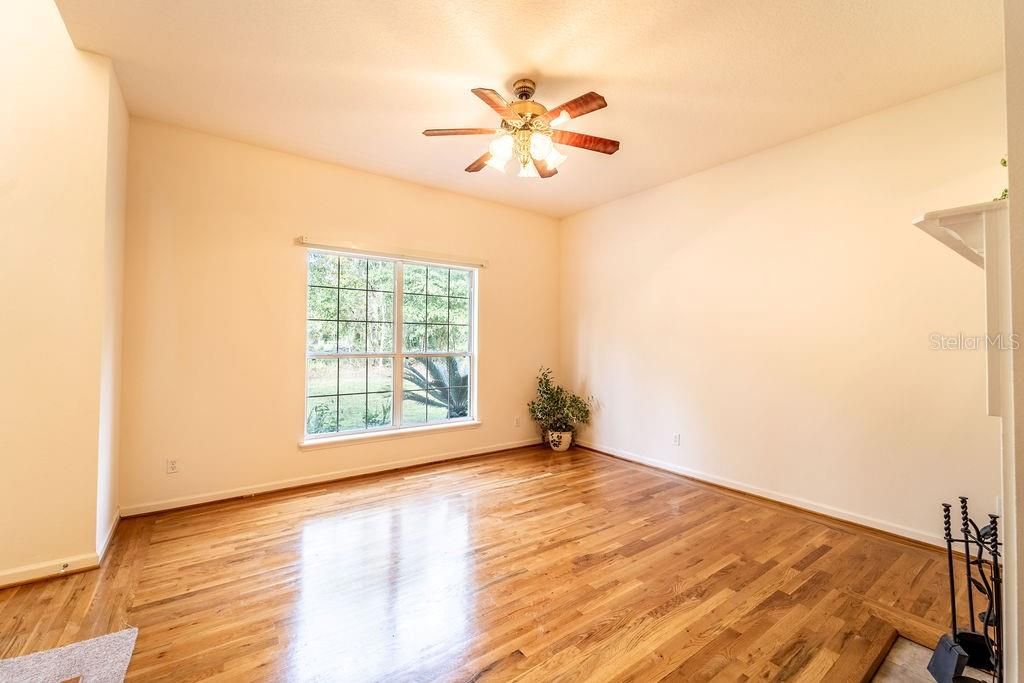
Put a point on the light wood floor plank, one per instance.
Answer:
(526, 565)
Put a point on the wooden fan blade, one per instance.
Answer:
(543, 169)
(584, 141)
(430, 132)
(479, 163)
(584, 104)
(496, 102)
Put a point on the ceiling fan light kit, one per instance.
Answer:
(528, 132)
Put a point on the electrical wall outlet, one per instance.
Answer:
(172, 466)
(675, 439)
(515, 421)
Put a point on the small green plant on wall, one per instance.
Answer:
(1006, 190)
(557, 411)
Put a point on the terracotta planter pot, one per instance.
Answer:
(560, 441)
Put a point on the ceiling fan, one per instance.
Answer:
(528, 131)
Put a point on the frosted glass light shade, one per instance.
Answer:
(528, 171)
(501, 146)
(497, 163)
(555, 158)
(540, 146)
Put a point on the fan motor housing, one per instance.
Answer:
(528, 108)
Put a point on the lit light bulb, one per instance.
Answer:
(501, 151)
(501, 146)
(555, 158)
(540, 146)
(497, 163)
(528, 170)
(562, 117)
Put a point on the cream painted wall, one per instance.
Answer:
(110, 351)
(53, 205)
(215, 306)
(776, 311)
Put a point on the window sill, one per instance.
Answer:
(385, 435)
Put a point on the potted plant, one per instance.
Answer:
(557, 411)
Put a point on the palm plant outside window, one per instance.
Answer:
(389, 344)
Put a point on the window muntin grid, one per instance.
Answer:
(357, 307)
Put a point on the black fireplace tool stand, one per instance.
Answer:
(980, 643)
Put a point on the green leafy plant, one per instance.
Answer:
(1006, 190)
(379, 415)
(556, 409)
(444, 383)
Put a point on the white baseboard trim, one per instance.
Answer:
(48, 568)
(68, 565)
(185, 501)
(102, 550)
(828, 510)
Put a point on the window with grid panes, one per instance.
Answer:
(389, 344)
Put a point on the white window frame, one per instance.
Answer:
(397, 355)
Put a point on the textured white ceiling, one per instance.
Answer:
(689, 83)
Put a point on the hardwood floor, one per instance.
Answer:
(527, 565)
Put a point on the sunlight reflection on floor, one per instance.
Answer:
(382, 589)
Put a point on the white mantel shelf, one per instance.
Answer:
(962, 229)
(981, 234)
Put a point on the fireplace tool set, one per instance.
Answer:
(980, 643)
